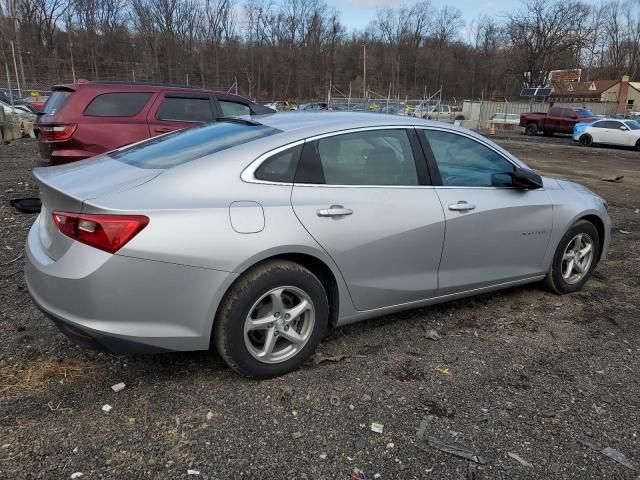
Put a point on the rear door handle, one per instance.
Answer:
(334, 211)
(461, 206)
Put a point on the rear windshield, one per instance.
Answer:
(190, 144)
(55, 102)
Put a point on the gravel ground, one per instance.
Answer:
(520, 371)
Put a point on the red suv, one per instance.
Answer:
(84, 119)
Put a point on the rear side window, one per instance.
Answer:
(55, 102)
(186, 109)
(121, 104)
(190, 144)
(280, 167)
(233, 109)
(607, 124)
(374, 157)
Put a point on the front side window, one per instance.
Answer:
(186, 109)
(120, 104)
(233, 109)
(464, 162)
(584, 113)
(373, 157)
(280, 167)
(569, 114)
(555, 112)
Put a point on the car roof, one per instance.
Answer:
(141, 86)
(306, 124)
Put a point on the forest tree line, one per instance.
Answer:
(297, 49)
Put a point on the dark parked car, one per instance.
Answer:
(7, 99)
(84, 119)
(558, 120)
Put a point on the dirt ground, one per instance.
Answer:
(521, 371)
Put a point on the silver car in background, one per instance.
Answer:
(257, 236)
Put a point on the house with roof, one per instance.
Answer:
(623, 93)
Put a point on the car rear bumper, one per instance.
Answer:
(124, 304)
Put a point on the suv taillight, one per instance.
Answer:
(56, 133)
(105, 232)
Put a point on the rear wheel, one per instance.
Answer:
(575, 258)
(586, 140)
(531, 129)
(271, 320)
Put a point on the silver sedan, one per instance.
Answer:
(257, 236)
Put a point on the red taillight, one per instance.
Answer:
(56, 133)
(106, 232)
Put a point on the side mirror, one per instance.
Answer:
(623, 128)
(526, 179)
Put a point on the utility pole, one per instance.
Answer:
(364, 72)
(73, 69)
(15, 67)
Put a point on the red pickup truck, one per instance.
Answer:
(558, 120)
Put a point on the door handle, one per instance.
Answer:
(334, 211)
(461, 206)
(162, 129)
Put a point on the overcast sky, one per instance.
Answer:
(357, 13)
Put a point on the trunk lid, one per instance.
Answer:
(67, 187)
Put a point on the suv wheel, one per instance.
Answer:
(586, 140)
(271, 320)
(575, 258)
(531, 129)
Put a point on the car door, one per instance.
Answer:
(569, 119)
(365, 197)
(553, 120)
(177, 110)
(606, 131)
(494, 233)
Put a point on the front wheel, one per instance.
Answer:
(586, 140)
(271, 320)
(638, 145)
(575, 258)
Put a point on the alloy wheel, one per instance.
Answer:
(279, 324)
(577, 258)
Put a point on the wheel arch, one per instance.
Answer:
(599, 224)
(326, 272)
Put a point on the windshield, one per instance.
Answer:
(583, 112)
(632, 124)
(190, 144)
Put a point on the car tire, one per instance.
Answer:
(557, 279)
(586, 140)
(531, 129)
(252, 300)
(638, 145)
